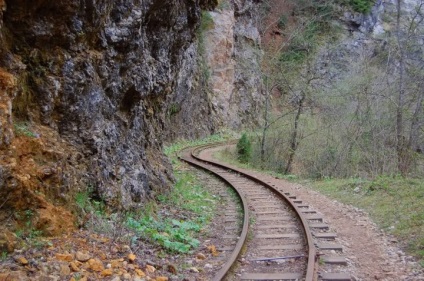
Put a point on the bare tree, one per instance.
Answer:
(406, 39)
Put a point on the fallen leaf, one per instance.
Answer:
(96, 265)
(172, 269)
(74, 266)
(64, 257)
(116, 263)
(150, 268)
(213, 250)
(200, 256)
(140, 273)
(106, 272)
(131, 257)
(22, 261)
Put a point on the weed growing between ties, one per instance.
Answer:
(394, 203)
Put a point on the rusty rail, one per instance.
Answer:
(243, 236)
(311, 264)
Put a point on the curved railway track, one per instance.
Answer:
(270, 229)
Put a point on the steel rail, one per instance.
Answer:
(311, 270)
(243, 236)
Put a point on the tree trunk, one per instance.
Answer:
(264, 131)
(294, 139)
(415, 122)
(401, 143)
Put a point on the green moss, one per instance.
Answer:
(174, 109)
(223, 5)
(206, 21)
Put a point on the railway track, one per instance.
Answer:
(277, 235)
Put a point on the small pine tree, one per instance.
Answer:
(244, 149)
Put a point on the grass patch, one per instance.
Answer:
(174, 221)
(230, 156)
(3, 256)
(23, 129)
(179, 217)
(28, 236)
(394, 203)
(93, 214)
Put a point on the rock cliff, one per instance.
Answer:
(222, 74)
(92, 89)
(84, 103)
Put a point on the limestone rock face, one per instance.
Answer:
(219, 82)
(189, 111)
(95, 76)
(219, 58)
(233, 56)
(248, 100)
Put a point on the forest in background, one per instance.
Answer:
(342, 102)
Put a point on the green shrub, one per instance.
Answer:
(362, 6)
(302, 44)
(282, 22)
(173, 235)
(244, 149)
